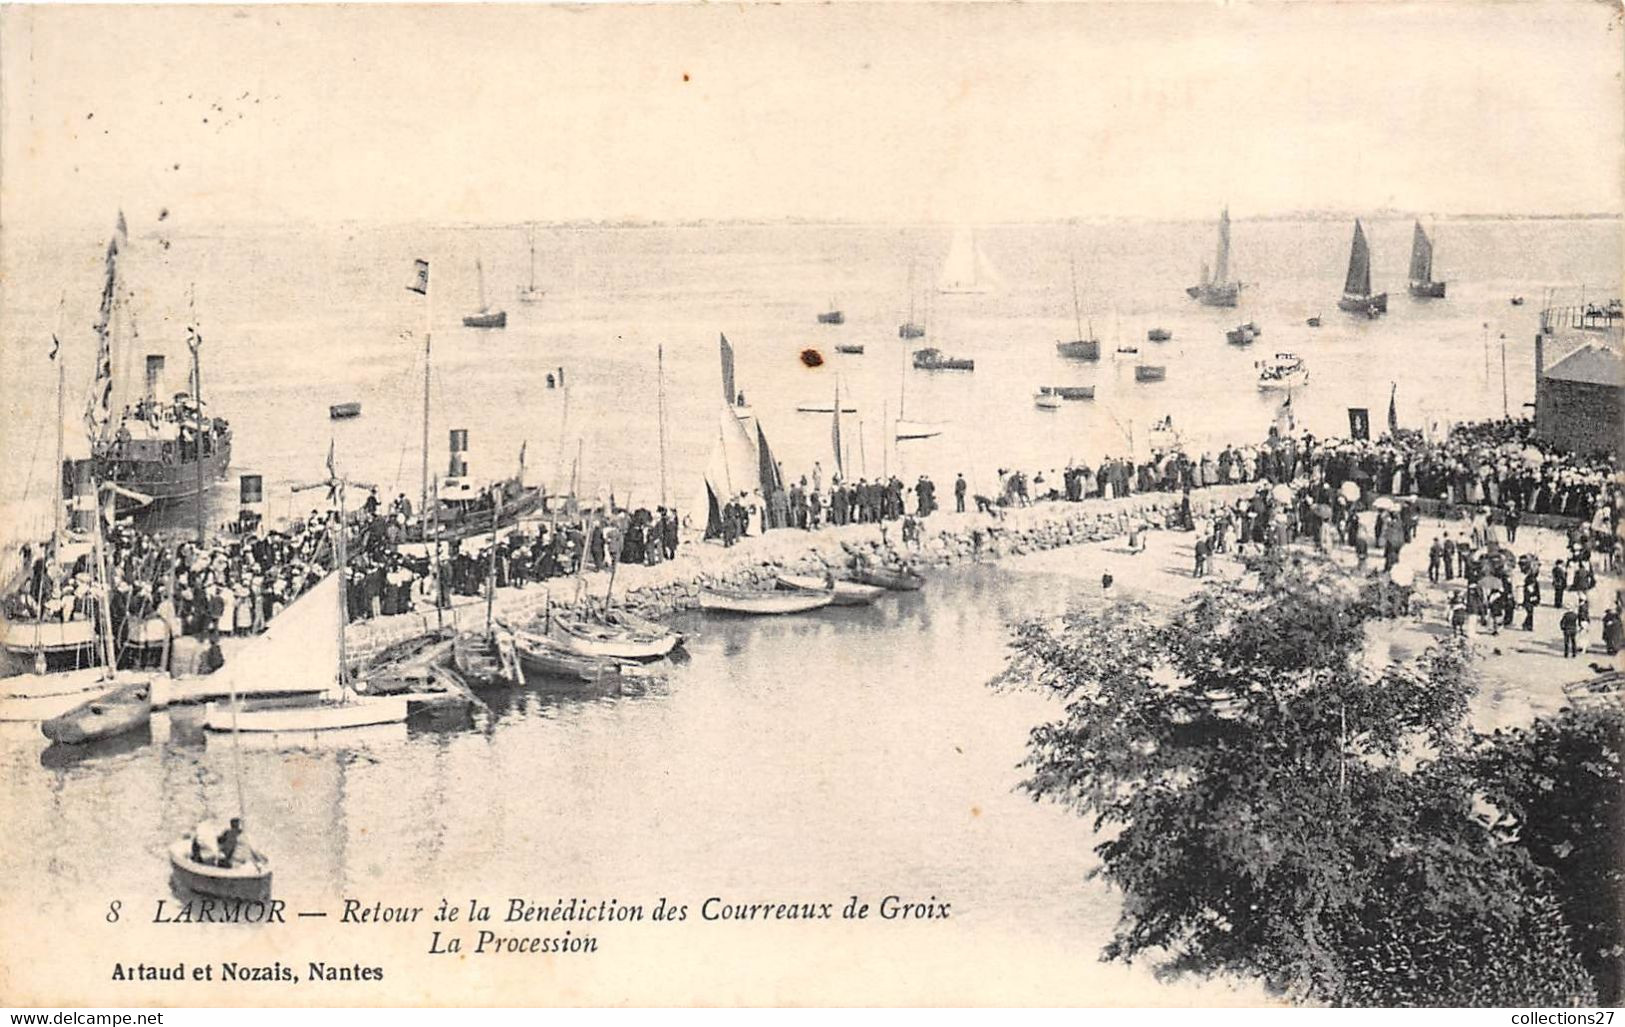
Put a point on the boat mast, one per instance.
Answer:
(532, 235)
(439, 615)
(195, 343)
(491, 566)
(660, 365)
(344, 588)
(479, 272)
(428, 321)
(56, 495)
(103, 581)
(1077, 310)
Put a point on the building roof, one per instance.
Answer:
(1592, 363)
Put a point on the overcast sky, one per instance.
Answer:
(901, 112)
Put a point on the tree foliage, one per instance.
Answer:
(1272, 806)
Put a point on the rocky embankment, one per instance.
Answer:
(946, 539)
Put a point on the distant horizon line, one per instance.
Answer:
(1380, 214)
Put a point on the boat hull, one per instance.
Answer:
(1210, 295)
(834, 317)
(850, 349)
(545, 657)
(948, 364)
(164, 482)
(1159, 335)
(487, 661)
(1150, 374)
(1427, 290)
(496, 319)
(1370, 306)
(247, 882)
(52, 637)
(611, 642)
(910, 330)
(847, 593)
(343, 411)
(1292, 381)
(889, 579)
(114, 712)
(823, 408)
(762, 603)
(37, 697)
(1079, 349)
(907, 430)
(1047, 401)
(322, 715)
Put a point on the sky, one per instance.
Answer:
(895, 112)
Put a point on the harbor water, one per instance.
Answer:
(296, 320)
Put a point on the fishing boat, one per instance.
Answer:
(1069, 391)
(763, 603)
(611, 641)
(1150, 372)
(844, 592)
(966, 270)
(909, 329)
(1043, 399)
(1313, 322)
(852, 348)
(1215, 289)
(1243, 334)
(529, 293)
(120, 709)
(162, 447)
(1422, 285)
(832, 316)
(486, 659)
(343, 703)
(1084, 347)
(1286, 371)
(892, 579)
(1159, 335)
(545, 657)
(932, 359)
(903, 428)
(343, 411)
(1357, 297)
(486, 318)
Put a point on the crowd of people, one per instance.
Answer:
(807, 505)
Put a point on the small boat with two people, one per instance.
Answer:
(1286, 371)
(1357, 297)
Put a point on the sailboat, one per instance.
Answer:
(966, 271)
(1423, 287)
(908, 329)
(735, 400)
(322, 649)
(529, 293)
(1357, 297)
(906, 429)
(1216, 289)
(832, 316)
(1084, 347)
(486, 318)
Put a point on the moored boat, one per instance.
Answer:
(1286, 371)
(1150, 372)
(1516, 301)
(247, 880)
(845, 593)
(486, 318)
(1215, 288)
(1069, 391)
(832, 317)
(1159, 335)
(1243, 334)
(612, 641)
(486, 659)
(343, 411)
(120, 709)
(762, 602)
(548, 658)
(932, 359)
(328, 712)
(907, 430)
(850, 348)
(1045, 400)
(824, 408)
(1079, 349)
(1313, 322)
(910, 330)
(893, 579)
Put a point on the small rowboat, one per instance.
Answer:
(1045, 400)
(824, 408)
(545, 657)
(301, 713)
(486, 660)
(854, 348)
(719, 600)
(1150, 372)
(248, 881)
(893, 579)
(847, 593)
(124, 708)
(612, 641)
(343, 411)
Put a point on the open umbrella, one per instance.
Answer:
(1282, 493)
(1349, 491)
(1533, 457)
(1385, 503)
(1401, 575)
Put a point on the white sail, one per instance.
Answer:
(299, 650)
(967, 269)
(732, 467)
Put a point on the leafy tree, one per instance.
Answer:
(1273, 806)
(1558, 787)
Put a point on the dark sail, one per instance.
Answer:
(1421, 256)
(769, 468)
(1358, 282)
(728, 394)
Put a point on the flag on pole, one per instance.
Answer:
(1285, 422)
(1359, 423)
(420, 278)
(98, 402)
(331, 472)
(1393, 411)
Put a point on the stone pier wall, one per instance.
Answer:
(946, 539)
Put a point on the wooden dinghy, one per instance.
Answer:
(487, 660)
(612, 641)
(847, 593)
(893, 579)
(548, 658)
(720, 600)
(123, 708)
(246, 880)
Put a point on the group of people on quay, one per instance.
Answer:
(806, 505)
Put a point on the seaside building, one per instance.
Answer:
(1580, 379)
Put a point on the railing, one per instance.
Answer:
(1582, 317)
